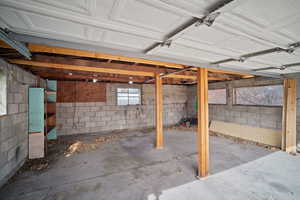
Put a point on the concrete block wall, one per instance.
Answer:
(257, 116)
(78, 118)
(13, 126)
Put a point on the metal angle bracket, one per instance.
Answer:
(166, 43)
(208, 20)
(292, 47)
(19, 46)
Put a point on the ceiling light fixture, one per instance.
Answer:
(94, 80)
(130, 82)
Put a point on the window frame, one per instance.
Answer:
(226, 96)
(128, 88)
(3, 71)
(258, 105)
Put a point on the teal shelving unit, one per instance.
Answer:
(41, 118)
(50, 107)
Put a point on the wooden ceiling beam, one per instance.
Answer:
(92, 63)
(65, 51)
(80, 68)
(65, 75)
(90, 69)
(171, 73)
(80, 53)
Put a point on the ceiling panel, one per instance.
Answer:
(190, 53)
(247, 65)
(127, 40)
(243, 45)
(57, 25)
(79, 6)
(12, 18)
(208, 35)
(268, 12)
(244, 26)
(144, 14)
(278, 58)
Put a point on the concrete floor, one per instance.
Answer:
(130, 168)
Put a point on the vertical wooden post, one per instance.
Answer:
(202, 132)
(289, 116)
(159, 111)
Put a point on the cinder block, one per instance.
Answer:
(13, 108)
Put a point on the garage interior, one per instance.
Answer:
(136, 99)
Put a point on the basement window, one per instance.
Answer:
(128, 96)
(217, 96)
(271, 95)
(3, 93)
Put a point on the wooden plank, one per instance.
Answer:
(181, 76)
(202, 132)
(91, 69)
(66, 91)
(51, 120)
(80, 68)
(65, 51)
(90, 92)
(159, 111)
(78, 91)
(289, 116)
(244, 75)
(50, 108)
(266, 136)
(74, 52)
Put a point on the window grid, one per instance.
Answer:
(128, 96)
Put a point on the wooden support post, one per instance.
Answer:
(202, 132)
(159, 111)
(289, 116)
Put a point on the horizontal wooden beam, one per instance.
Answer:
(243, 75)
(168, 73)
(89, 54)
(93, 63)
(91, 69)
(80, 68)
(74, 52)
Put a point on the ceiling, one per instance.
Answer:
(243, 27)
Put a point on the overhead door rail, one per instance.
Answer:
(290, 49)
(18, 46)
(208, 20)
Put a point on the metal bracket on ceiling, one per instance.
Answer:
(166, 43)
(208, 20)
(292, 47)
(18, 46)
(242, 59)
